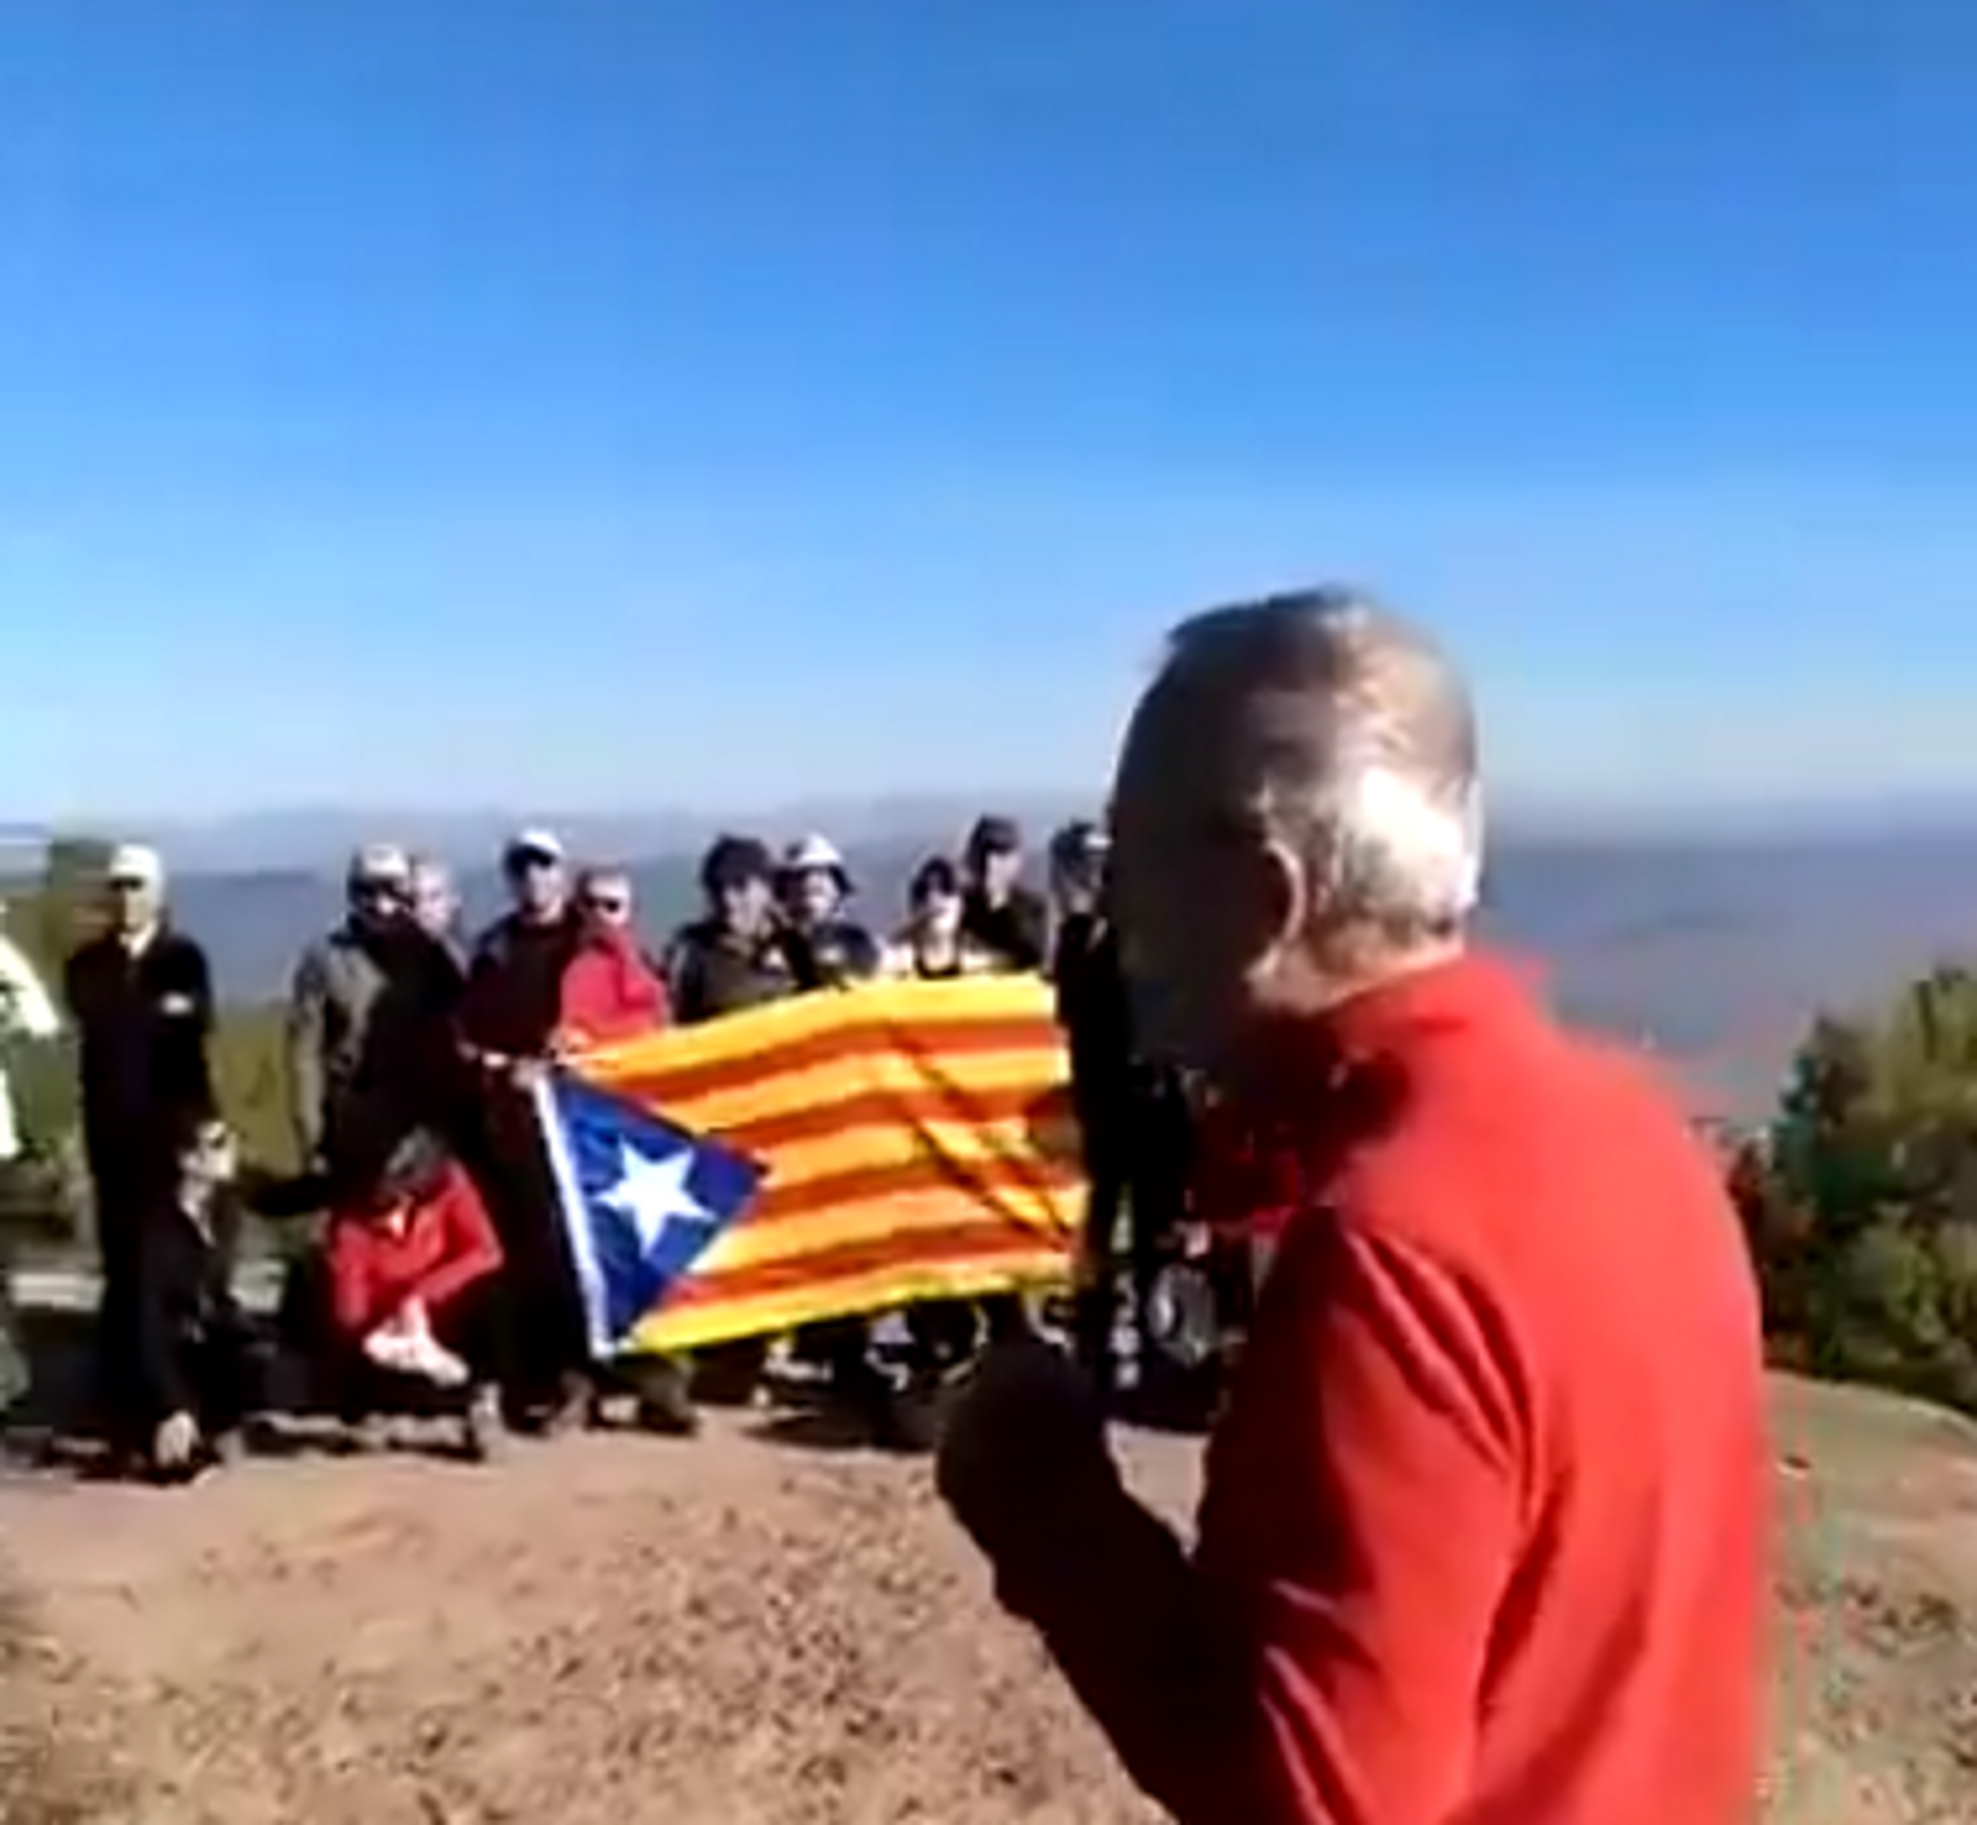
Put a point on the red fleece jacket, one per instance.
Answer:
(444, 1247)
(1483, 1538)
(610, 992)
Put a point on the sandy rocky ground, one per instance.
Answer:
(750, 1631)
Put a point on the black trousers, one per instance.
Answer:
(125, 1193)
(545, 1342)
(216, 1365)
(1137, 1157)
(354, 1387)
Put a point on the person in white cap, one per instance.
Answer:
(814, 888)
(141, 999)
(511, 1020)
(339, 984)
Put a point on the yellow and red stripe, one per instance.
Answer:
(918, 1142)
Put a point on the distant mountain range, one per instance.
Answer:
(306, 838)
(1715, 954)
(1715, 951)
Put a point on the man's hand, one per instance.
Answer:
(176, 1439)
(1024, 1447)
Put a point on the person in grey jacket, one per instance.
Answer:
(338, 987)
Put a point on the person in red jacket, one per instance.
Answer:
(1483, 1537)
(611, 990)
(412, 1260)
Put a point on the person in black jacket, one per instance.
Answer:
(743, 951)
(999, 912)
(193, 1381)
(140, 997)
(1134, 1121)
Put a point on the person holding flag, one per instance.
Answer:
(511, 1017)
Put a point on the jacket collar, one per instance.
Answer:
(1475, 989)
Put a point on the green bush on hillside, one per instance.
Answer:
(1861, 1200)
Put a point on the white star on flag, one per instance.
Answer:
(652, 1194)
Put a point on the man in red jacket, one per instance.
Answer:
(610, 990)
(1482, 1539)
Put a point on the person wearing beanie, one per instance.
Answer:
(743, 950)
(1002, 915)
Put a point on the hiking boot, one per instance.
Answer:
(912, 1419)
(481, 1430)
(729, 1374)
(225, 1449)
(570, 1410)
(670, 1415)
(366, 1434)
(663, 1396)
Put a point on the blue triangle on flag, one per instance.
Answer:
(642, 1199)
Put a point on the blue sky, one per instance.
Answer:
(630, 402)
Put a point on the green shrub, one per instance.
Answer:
(1861, 1201)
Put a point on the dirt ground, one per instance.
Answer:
(751, 1631)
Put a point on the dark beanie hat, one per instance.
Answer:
(734, 861)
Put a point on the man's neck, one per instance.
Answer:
(138, 939)
(1365, 970)
(1290, 1057)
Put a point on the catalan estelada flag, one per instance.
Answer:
(915, 1140)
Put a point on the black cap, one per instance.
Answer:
(995, 836)
(735, 861)
(1079, 842)
(936, 875)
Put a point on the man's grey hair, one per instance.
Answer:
(1350, 736)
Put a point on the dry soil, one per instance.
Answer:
(744, 1630)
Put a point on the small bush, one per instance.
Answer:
(1861, 1200)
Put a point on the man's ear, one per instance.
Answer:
(1282, 897)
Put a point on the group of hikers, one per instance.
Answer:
(436, 1273)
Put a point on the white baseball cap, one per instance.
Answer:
(536, 844)
(379, 865)
(135, 864)
(813, 854)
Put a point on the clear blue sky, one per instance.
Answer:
(620, 402)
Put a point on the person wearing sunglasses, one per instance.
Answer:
(338, 986)
(611, 990)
